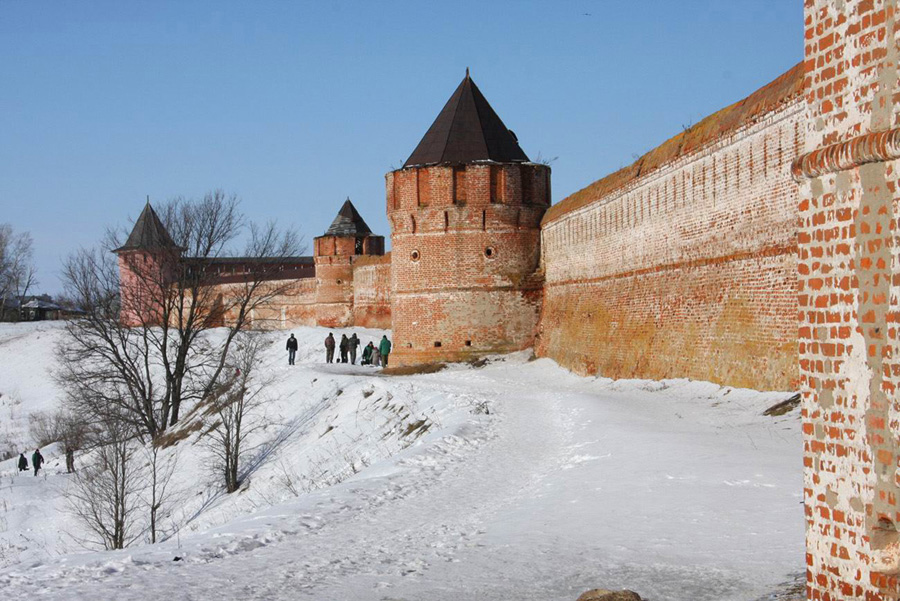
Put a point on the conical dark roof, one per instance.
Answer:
(148, 233)
(467, 129)
(348, 222)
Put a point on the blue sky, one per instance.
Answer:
(295, 106)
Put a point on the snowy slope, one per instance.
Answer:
(374, 487)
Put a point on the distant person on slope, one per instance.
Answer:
(291, 349)
(23, 463)
(37, 460)
(354, 344)
(367, 354)
(345, 346)
(329, 348)
(384, 349)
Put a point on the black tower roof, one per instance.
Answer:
(466, 130)
(148, 233)
(348, 222)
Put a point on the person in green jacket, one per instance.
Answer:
(367, 354)
(384, 349)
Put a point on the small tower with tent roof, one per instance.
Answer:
(147, 261)
(347, 238)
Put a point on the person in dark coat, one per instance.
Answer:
(70, 460)
(329, 348)
(367, 354)
(384, 349)
(37, 460)
(23, 463)
(291, 349)
(345, 346)
(354, 344)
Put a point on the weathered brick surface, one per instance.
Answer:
(849, 299)
(372, 292)
(465, 250)
(688, 270)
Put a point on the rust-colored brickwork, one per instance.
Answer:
(465, 245)
(372, 292)
(335, 256)
(849, 296)
(684, 265)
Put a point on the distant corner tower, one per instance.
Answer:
(465, 212)
(335, 251)
(147, 262)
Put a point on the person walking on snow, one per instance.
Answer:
(367, 354)
(329, 348)
(354, 344)
(345, 346)
(23, 463)
(291, 349)
(384, 349)
(37, 460)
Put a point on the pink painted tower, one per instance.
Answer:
(146, 262)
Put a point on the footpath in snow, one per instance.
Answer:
(516, 480)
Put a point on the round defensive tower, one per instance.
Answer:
(348, 237)
(465, 213)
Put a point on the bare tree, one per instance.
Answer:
(60, 426)
(158, 493)
(17, 272)
(235, 406)
(105, 495)
(144, 364)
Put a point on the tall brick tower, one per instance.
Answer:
(335, 251)
(465, 213)
(145, 263)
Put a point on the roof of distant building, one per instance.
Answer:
(40, 304)
(467, 130)
(148, 233)
(348, 222)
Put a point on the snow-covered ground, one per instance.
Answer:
(372, 487)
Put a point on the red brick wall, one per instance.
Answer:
(465, 248)
(372, 292)
(849, 295)
(334, 280)
(295, 306)
(688, 270)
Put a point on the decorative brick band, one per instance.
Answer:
(867, 148)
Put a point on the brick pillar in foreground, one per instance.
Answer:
(849, 298)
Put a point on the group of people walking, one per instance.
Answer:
(371, 354)
(37, 460)
(348, 347)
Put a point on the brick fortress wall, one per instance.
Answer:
(365, 301)
(465, 251)
(372, 292)
(684, 264)
(849, 294)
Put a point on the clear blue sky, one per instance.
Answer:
(295, 106)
